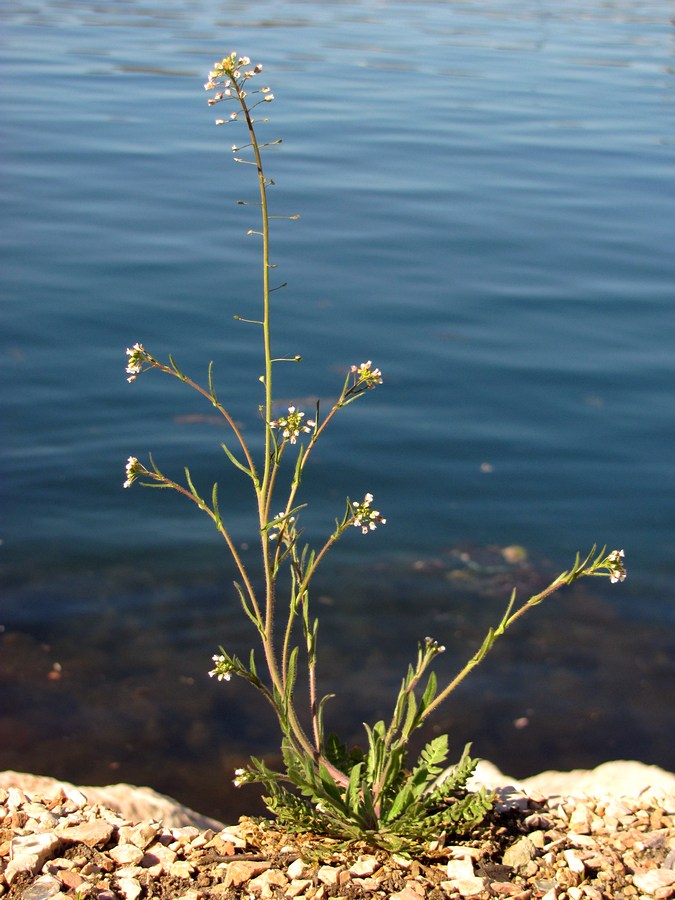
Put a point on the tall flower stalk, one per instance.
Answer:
(368, 793)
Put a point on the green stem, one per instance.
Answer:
(506, 622)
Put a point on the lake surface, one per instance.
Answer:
(486, 201)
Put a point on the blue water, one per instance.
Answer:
(486, 201)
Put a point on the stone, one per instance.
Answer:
(158, 858)
(574, 862)
(296, 869)
(466, 887)
(581, 819)
(364, 865)
(93, 834)
(297, 886)
(328, 874)
(648, 881)
(70, 879)
(28, 853)
(518, 855)
(42, 889)
(126, 854)
(141, 835)
(460, 868)
(129, 888)
(181, 869)
(237, 873)
(134, 803)
(266, 881)
(407, 893)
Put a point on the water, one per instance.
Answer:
(486, 212)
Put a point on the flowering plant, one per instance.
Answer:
(368, 793)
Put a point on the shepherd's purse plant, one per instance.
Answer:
(372, 793)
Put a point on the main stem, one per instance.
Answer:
(264, 491)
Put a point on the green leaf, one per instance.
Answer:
(354, 788)
(235, 462)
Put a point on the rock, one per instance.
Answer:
(364, 866)
(574, 862)
(329, 874)
(296, 869)
(616, 779)
(129, 888)
(651, 880)
(466, 887)
(28, 853)
(158, 858)
(518, 855)
(460, 868)
(266, 882)
(298, 886)
(408, 893)
(141, 835)
(126, 854)
(42, 889)
(134, 803)
(238, 873)
(93, 834)
(181, 869)
(621, 778)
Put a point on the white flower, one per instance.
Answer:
(137, 356)
(365, 518)
(292, 424)
(366, 374)
(616, 567)
(133, 470)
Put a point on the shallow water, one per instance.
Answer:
(486, 212)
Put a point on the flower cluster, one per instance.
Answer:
(292, 424)
(230, 73)
(223, 669)
(433, 646)
(242, 776)
(282, 523)
(364, 517)
(137, 356)
(617, 570)
(133, 470)
(365, 374)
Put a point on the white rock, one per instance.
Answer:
(129, 888)
(650, 880)
(266, 882)
(616, 779)
(158, 858)
(466, 887)
(574, 862)
(29, 852)
(460, 868)
(364, 866)
(126, 854)
(134, 803)
(407, 893)
(181, 869)
(296, 869)
(328, 874)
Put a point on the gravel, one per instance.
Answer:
(543, 843)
